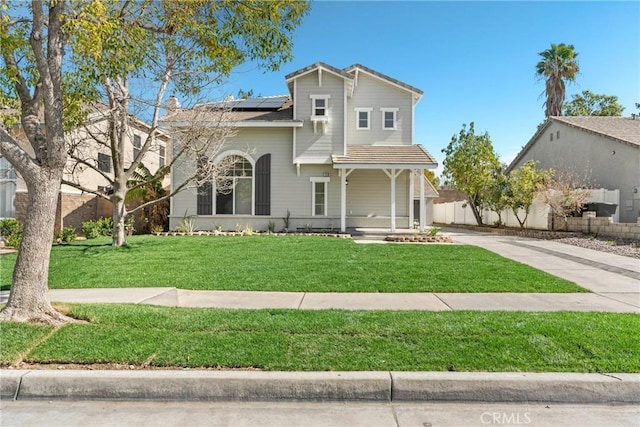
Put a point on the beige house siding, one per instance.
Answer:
(90, 178)
(317, 146)
(606, 162)
(372, 93)
(368, 191)
(369, 194)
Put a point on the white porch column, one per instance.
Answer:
(423, 213)
(343, 199)
(393, 175)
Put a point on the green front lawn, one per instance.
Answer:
(287, 263)
(294, 340)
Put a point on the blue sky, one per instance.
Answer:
(475, 61)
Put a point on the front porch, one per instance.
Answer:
(396, 162)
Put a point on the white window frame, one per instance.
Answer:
(326, 99)
(137, 146)
(8, 179)
(107, 163)
(324, 119)
(250, 159)
(319, 179)
(395, 118)
(363, 110)
(162, 153)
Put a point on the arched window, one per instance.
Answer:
(234, 190)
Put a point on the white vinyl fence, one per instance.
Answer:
(460, 212)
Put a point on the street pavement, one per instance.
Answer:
(33, 397)
(311, 414)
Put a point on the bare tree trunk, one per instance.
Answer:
(119, 215)
(475, 209)
(28, 299)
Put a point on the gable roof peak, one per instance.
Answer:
(318, 65)
(396, 82)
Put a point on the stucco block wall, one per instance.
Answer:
(72, 209)
(604, 227)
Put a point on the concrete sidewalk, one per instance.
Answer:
(172, 297)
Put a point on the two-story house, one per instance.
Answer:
(92, 172)
(337, 152)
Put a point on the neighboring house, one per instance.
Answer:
(76, 206)
(8, 183)
(336, 153)
(605, 149)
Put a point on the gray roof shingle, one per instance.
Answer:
(623, 129)
(384, 77)
(311, 67)
(212, 112)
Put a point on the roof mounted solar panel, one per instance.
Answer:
(268, 103)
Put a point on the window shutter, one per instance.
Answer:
(263, 185)
(205, 199)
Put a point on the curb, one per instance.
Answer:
(320, 386)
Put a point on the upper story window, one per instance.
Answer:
(320, 111)
(363, 118)
(320, 105)
(104, 163)
(7, 171)
(161, 156)
(8, 180)
(137, 144)
(389, 118)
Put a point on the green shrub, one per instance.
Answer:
(11, 230)
(9, 226)
(14, 239)
(105, 225)
(433, 231)
(95, 229)
(90, 230)
(68, 234)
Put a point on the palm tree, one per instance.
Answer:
(558, 64)
(147, 188)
